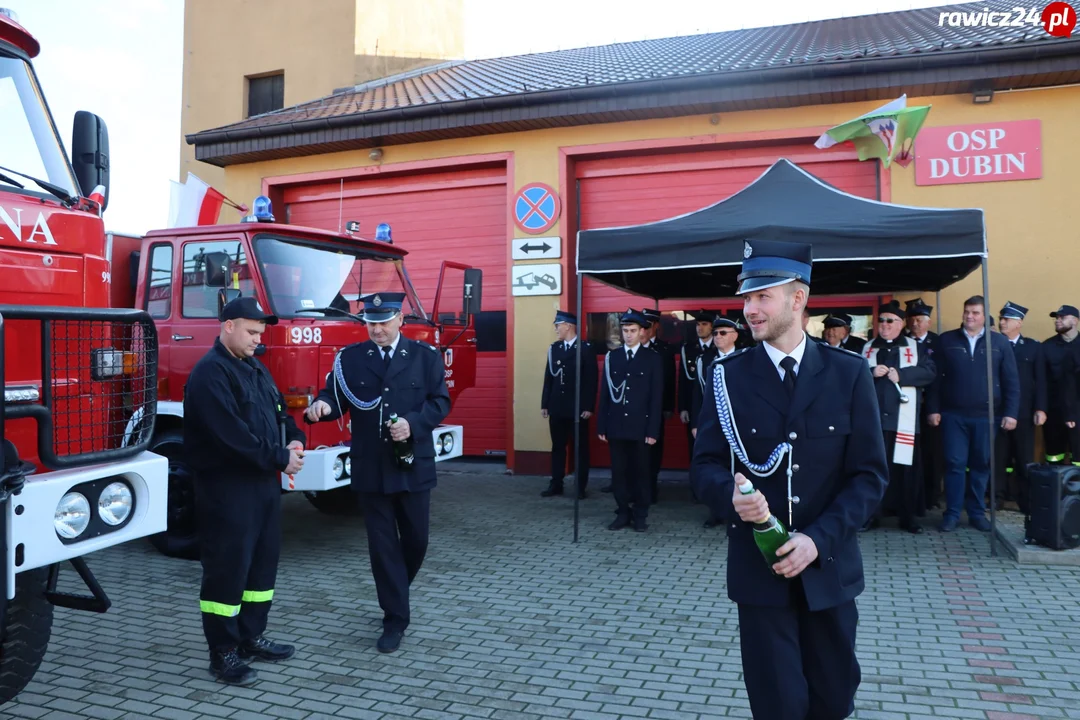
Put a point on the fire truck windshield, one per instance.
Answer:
(28, 141)
(304, 275)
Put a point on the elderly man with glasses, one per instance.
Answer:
(902, 369)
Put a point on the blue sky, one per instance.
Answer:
(122, 59)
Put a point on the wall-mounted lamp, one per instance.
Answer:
(376, 154)
(982, 95)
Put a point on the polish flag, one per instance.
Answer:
(195, 203)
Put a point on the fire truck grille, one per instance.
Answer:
(97, 393)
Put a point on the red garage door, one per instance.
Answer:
(634, 190)
(453, 215)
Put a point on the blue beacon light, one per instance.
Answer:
(263, 209)
(383, 234)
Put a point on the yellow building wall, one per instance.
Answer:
(320, 46)
(1031, 225)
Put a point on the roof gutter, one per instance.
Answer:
(830, 69)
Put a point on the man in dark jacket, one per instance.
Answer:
(1060, 354)
(838, 333)
(689, 353)
(373, 380)
(558, 404)
(801, 420)
(958, 403)
(631, 400)
(233, 416)
(1016, 448)
(901, 369)
(651, 340)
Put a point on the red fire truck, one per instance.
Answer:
(313, 281)
(80, 393)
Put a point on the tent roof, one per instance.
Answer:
(860, 245)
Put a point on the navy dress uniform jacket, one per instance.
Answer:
(560, 378)
(413, 387)
(639, 415)
(688, 374)
(1032, 371)
(839, 464)
(667, 355)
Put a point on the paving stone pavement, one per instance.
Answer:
(513, 621)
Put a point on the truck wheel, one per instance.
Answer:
(339, 501)
(27, 626)
(181, 539)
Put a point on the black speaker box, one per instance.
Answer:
(1054, 511)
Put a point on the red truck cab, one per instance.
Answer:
(313, 281)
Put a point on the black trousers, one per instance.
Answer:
(656, 458)
(397, 532)
(1012, 453)
(933, 463)
(1059, 439)
(903, 491)
(797, 664)
(239, 544)
(630, 477)
(562, 434)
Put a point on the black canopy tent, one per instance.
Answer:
(860, 246)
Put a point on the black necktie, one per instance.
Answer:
(386, 356)
(788, 364)
(629, 355)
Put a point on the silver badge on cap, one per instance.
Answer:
(377, 301)
(747, 250)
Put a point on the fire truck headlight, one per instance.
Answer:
(115, 503)
(72, 515)
(447, 442)
(348, 466)
(105, 363)
(339, 467)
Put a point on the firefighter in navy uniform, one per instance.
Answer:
(725, 335)
(838, 333)
(667, 356)
(631, 401)
(1016, 448)
(800, 420)
(557, 402)
(1059, 355)
(389, 375)
(232, 441)
(933, 455)
(689, 353)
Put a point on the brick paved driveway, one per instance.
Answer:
(512, 620)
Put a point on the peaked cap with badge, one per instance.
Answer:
(770, 263)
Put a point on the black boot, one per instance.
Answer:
(552, 490)
(262, 649)
(227, 667)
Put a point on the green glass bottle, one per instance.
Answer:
(403, 449)
(769, 534)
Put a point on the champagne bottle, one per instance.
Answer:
(769, 533)
(403, 449)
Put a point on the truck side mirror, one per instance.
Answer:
(90, 154)
(224, 297)
(473, 293)
(216, 269)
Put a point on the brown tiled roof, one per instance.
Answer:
(822, 49)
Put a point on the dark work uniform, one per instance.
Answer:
(560, 379)
(932, 452)
(688, 379)
(798, 635)
(396, 502)
(854, 344)
(1015, 449)
(631, 400)
(1060, 441)
(656, 452)
(232, 443)
(904, 492)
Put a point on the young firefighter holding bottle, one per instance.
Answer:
(799, 420)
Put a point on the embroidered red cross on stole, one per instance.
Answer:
(907, 354)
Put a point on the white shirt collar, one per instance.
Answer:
(633, 348)
(393, 345)
(723, 354)
(570, 343)
(776, 356)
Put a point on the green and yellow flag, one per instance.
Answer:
(886, 133)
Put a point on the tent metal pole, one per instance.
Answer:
(577, 410)
(937, 304)
(989, 398)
